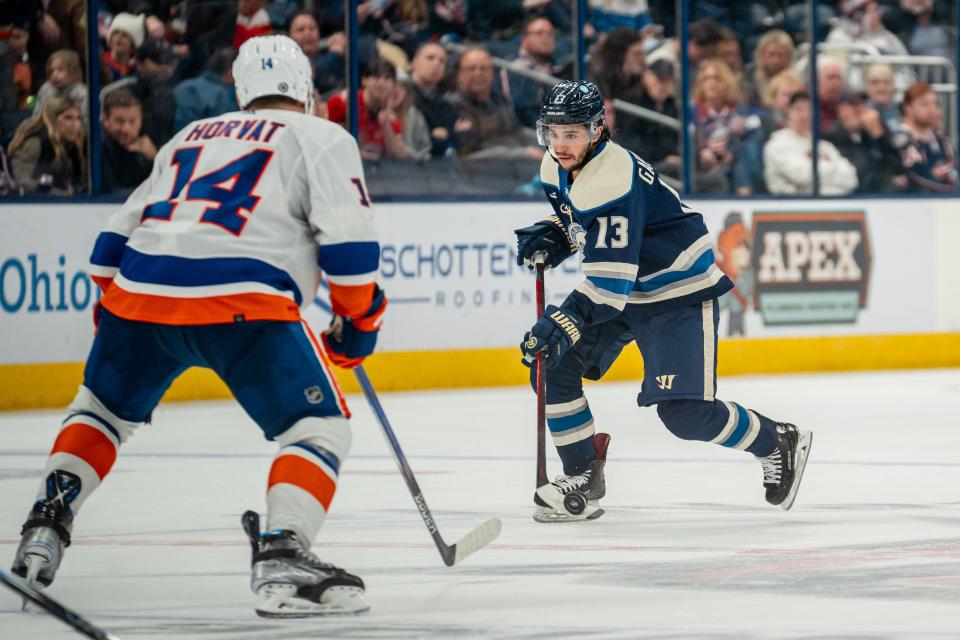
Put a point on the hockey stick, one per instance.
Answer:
(541, 391)
(451, 554)
(54, 608)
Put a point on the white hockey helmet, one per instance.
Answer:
(272, 66)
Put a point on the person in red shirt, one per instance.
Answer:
(379, 127)
(252, 21)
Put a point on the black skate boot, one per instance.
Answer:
(46, 533)
(292, 582)
(576, 497)
(783, 469)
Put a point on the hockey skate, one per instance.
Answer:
(783, 469)
(577, 497)
(46, 533)
(292, 582)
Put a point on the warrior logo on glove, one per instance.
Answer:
(554, 333)
(567, 325)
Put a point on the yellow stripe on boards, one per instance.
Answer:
(29, 386)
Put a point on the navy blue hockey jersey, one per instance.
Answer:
(640, 244)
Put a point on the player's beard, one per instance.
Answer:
(587, 155)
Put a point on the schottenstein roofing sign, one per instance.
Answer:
(811, 267)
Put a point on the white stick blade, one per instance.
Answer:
(477, 539)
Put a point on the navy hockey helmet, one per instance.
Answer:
(571, 102)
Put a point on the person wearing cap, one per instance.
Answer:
(787, 163)
(861, 137)
(152, 84)
(126, 34)
(660, 144)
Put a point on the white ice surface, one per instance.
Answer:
(687, 549)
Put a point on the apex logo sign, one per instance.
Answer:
(811, 267)
(817, 256)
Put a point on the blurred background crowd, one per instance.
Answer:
(450, 89)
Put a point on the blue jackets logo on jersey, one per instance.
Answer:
(578, 236)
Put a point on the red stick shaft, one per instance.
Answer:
(541, 393)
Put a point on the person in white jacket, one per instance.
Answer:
(788, 157)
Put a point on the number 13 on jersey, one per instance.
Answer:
(619, 236)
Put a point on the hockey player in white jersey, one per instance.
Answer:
(208, 264)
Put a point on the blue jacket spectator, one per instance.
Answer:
(210, 94)
(927, 155)
(607, 15)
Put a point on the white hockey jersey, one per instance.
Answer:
(238, 217)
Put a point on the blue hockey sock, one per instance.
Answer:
(747, 430)
(571, 426)
(725, 423)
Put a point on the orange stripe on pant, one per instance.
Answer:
(290, 469)
(88, 444)
(331, 379)
(144, 307)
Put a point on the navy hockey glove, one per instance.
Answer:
(545, 238)
(349, 340)
(556, 331)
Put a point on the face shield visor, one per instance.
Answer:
(549, 135)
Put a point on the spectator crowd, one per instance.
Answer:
(453, 87)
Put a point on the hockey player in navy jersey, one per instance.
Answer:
(650, 279)
(208, 264)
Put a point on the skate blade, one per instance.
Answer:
(35, 559)
(34, 563)
(281, 601)
(546, 515)
(803, 452)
